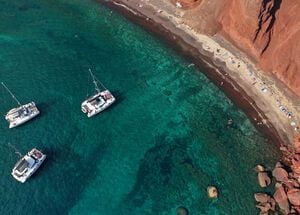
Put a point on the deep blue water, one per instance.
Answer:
(157, 148)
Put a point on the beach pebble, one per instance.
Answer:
(212, 192)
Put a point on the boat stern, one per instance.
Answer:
(20, 179)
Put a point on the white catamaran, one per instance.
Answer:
(21, 114)
(98, 102)
(28, 164)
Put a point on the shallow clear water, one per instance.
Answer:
(157, 148)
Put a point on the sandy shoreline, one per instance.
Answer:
(262, 100)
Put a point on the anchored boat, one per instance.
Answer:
(28, 165)
(21, 114)
(97, 103)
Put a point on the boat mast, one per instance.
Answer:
(15, 98)
(95, 81)
(87, 88)
(16, 151)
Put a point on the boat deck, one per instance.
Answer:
(22, 165)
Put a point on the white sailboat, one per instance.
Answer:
(21, 114)
(28, 165)
(98, 102)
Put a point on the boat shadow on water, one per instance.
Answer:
(45, 107)
(119, 99)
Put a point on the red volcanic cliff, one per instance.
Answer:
(267, 30)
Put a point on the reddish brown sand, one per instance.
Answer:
(186, 4)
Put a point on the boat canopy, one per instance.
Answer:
(21, 166)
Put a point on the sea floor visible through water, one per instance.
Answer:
(158, 147)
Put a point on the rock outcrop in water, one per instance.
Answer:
(212, 192)
(182, 211)
(263, 179)
(287, 187)
(267, 30)
(265, 202)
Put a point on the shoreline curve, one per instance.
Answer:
(216, 73)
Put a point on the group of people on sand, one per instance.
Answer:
(263, 87)
(284, 110)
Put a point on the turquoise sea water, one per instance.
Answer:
(157, 148)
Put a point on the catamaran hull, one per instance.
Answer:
(17, 120)
(30, 172)
(25, 119)
(94, 111)
(107, 104)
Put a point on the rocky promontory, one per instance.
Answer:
(287, 183)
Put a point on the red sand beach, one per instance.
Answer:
(267, 104)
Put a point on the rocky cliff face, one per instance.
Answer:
(267, 30)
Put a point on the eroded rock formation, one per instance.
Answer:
(267, 30)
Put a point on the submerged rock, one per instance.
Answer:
(182, 211)
(230, 122)
(212, 192)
